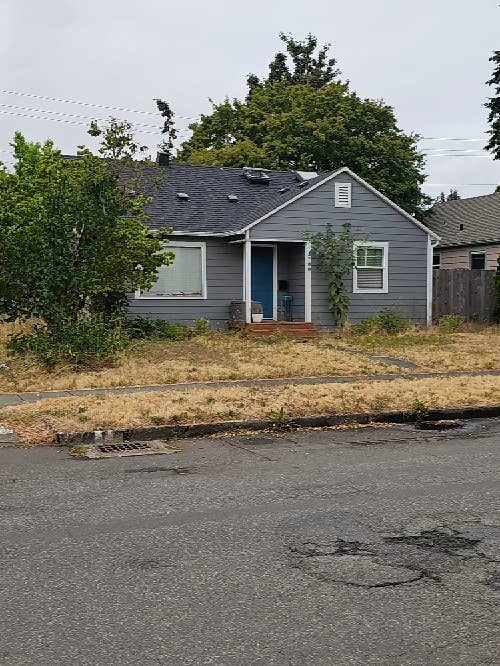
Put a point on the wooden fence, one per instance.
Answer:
(468, 293)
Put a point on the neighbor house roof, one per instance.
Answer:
(467, 221)
(209, 200)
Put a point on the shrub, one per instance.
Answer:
(201, 326)
(383, 322)
(143, 328)
(451, 323)
(88, 343)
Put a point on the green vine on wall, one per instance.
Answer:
(334, 256)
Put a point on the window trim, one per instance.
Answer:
(338, 185)
(436, 255)
(476, 252)
(174, 244)
(385, 268)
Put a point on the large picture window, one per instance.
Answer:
(185, 277)
(370, 274)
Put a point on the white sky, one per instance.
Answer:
(427, 58)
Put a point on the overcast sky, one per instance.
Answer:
(426, 58)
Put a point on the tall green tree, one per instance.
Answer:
(301, 117)
(493, 106)
(71, 235)
(453, 195)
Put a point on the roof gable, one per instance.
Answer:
(321, 180)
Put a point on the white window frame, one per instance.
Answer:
(338, 203)
(385, 268)
(436, 255)
(172, 245)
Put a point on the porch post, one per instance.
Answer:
(248, 278)
(307, 282)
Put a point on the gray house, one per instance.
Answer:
(239, 236)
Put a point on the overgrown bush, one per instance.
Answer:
(88, 343)
(143, 328)
(385, 321)
(451, 323)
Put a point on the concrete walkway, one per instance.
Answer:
(12, 399)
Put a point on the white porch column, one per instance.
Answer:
(247, 264)
(307, 282)
(430, 277)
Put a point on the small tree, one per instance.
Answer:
(72, 240)
(334, 256)
(496, 307)
(117, 140)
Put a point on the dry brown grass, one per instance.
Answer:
(221, 356)
(38, 422)
(477, 348)
(216, 356)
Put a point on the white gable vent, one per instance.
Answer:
(342, 195)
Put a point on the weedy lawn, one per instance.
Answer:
(38, 423)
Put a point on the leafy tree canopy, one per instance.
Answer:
(71, 236)
(117, 140)
(493, 106)
(298, 65)
(301, 117)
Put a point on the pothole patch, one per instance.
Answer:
(433, 555)
(443, 542)
(439, 426)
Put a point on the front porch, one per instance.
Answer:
(277, 274)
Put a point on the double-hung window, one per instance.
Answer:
(185, 277)
(370, 273)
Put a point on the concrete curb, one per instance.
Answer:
(321, 421)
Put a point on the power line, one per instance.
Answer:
(446, 138)
(88, 104)
(79, 117)
(76, 122)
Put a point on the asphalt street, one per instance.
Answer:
(367, 546)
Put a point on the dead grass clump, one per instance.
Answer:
(211, 357)
(38, 422)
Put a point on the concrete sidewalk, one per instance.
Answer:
(13, 399)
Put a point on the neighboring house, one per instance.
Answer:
(239, 236)
(469, 231)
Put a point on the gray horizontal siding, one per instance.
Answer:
(224, 284)
(371, 219)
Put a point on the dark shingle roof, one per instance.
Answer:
(480, 217)
(208, 209)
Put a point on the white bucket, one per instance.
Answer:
(257, 317)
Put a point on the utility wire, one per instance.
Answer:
(89, 104)
(78, 116)
(76, 122)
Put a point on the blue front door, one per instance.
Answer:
(262, 278)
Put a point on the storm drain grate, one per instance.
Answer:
(115, 448)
